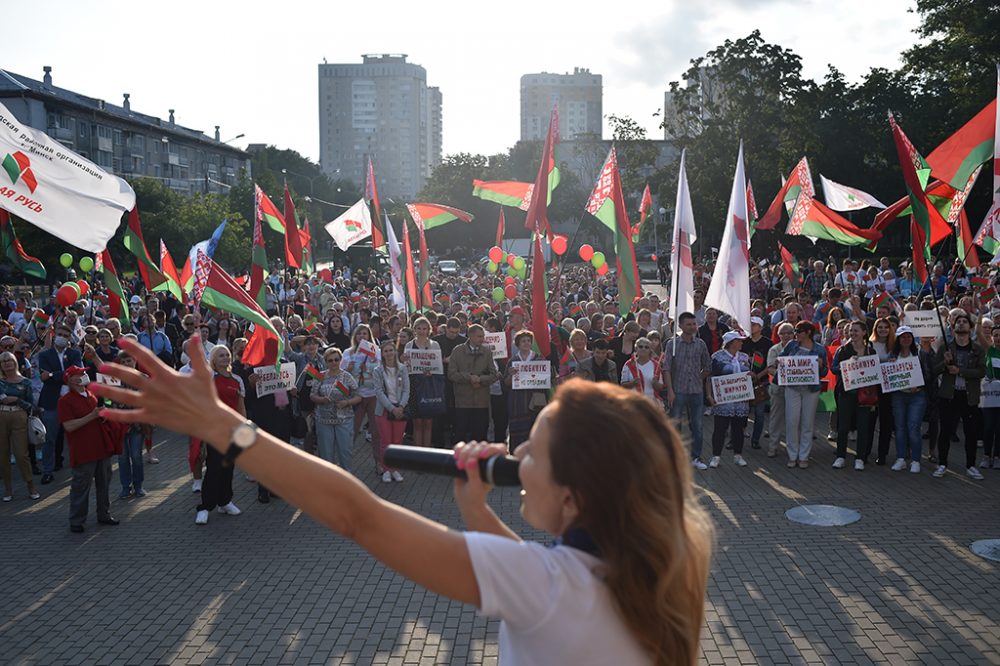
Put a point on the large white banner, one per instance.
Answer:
(354, 225)
(53, 188)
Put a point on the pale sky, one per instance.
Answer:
(251, 66)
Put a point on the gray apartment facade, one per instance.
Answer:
(579, 97)
(383, 109)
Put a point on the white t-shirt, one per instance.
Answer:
(647, 371)
(554, 607)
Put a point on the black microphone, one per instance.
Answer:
(497, 471)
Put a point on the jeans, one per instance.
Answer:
(693, 404)
(335, 443)
(130, 462)
(800, 416)
(50, 417)
(908, 411)
(759, 414)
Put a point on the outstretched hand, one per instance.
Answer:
(184, 403)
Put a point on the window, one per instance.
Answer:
(84, 131)
(104, 132)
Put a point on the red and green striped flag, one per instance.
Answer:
(537, 217)
(980, 282)
(988, 295)
(814, 220)
(799, 182)
(222, 292)
(313, 372)
(117, 303)
(940, 229)
(644, 205)
(607, 204)
(791, 265)
(431, 215)
(880, 299)
(575, 310)
(504, 192)
(344, 390)
(258, 265)
(172, 281)
(307, 255)
(40, 318)
(539, 323)
(410, 274)
(371, 194)
(757, 362)
(293, 242)
(15, 253)
(500, 225)
(965, 150)
(133, 240)
(267, 211)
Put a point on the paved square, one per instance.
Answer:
(272, 587)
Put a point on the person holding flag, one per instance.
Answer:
(335, 398)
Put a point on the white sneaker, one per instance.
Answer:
(201, 518)
(859, 465)
(985, 463)
(714, 462)
(899, 465)
(230, 509)
(832, 437)
(839, 463)
(196, 486)
(739, 460)
(698, 464)
(386, 477)
(939, 472)
(368, 436)
(396, 476)
(974, 473)
(915, 467)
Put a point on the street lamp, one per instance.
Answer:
(238, 136)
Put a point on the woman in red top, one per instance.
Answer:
(217, 487)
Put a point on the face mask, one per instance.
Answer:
(60, 341)
(84, 380)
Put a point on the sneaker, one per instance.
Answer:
(386, 477)
(698, 464)
(792, 463)
(859, 464)
(739, 460)
(974, 473)
(714, 462)
(230, 509)
(985, 463)
(201, 518)
(939, 472)
(396, 476)
(772, 451)
(196, 486)
(368, 436)
(140, 493)
(839, 463)
(152, 460)
(899, 465)
(831, 437)
(915, 467)
(803, 464)
(125, 494)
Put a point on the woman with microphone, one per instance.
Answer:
(603, 470)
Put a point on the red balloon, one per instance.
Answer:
(496, 254)
(653, 257)
(510, 291)
(586, 252)
(511, 258)
(603, 270)
(509, 280)
(67, 295)
(84, 287)
(326, 274)
(560, 244)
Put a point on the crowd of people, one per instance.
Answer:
(357, 381)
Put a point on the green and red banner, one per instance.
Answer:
(537, 217)
(293, 242)
(15, 253)
(791, 266)
(504, 192)
(136, 244)
(267, 211)
(431, 215)
(222, 292)
(815, 220)
(964, 151)
(117, 302)
(258, 266)
(172, 282)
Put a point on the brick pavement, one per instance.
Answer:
(272, 587)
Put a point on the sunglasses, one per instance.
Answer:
(330, 359)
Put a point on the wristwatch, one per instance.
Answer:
(243, 437)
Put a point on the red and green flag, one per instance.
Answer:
(40, 319)
(607, 204)
(980, 282)
(799, 183)
(371, 195)
(987, 295)
(136, 244)
(940, 229)
(537, 217)
(965, 150)
(307, 256)
(117, 303)
(258, 266)
(426, 298)
(539, 297)
(757, 362)
(222, 292)
(500, 225)
(410, 274)
(15, 253)
(172, 281)
(313, 372)
(267, 211)
(644, 205)
(814, 220)
(293, 242)
(504, 192)
(431, 215)
(344, 390)
(791, 265)
(881, 299)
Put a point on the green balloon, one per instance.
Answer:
(497, 294)
(86, 264)
(66, 259)
(598, 260)
(519, 263)
(491, 267)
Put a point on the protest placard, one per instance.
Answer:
(798, 370)
(732, 388)
(860, 371)
(904, 373)
(425, 359)
(923, 322)
(531, 375)
(990, 395)
(497, 342)
(107, 379)
(271, 381)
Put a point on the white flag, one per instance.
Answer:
(991, 224)
(681, 262)
(844, 198)
(398, 296)
(729, 290)
(354, 225)
(53, 188)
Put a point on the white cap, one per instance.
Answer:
(730, 336)
(757, 320)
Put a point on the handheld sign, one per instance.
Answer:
(425, 359)
(108, 379)
(531, 375)
(367, 349)
(860, 371)
(798, 371)
(497, 342)
(924, 323)
(270, 381)
(732, 388)
(903, 373)
(990, 396)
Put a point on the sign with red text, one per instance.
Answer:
(497, 342)
(903, 373)
(732, 388)
(425, 360)
(271, 381)
(798, 371)
(860, 371)
(531, 375)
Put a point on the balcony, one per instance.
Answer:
(61, 133)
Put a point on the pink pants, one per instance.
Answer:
(390, 432)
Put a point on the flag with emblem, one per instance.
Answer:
(352, 226)
(431, 215)
(220, 291)
(172, 283)
(799, 183)
(843, 198)
(816, 221)
(136, 244)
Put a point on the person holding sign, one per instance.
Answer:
(991, 404)
(883, 339)
(909, 404)
(731, 416)
(855, 408)
(962, 366)
(801, 400)
(335, 398)
(421, 381)
(523, 405)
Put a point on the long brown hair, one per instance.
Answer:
(631, 477)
